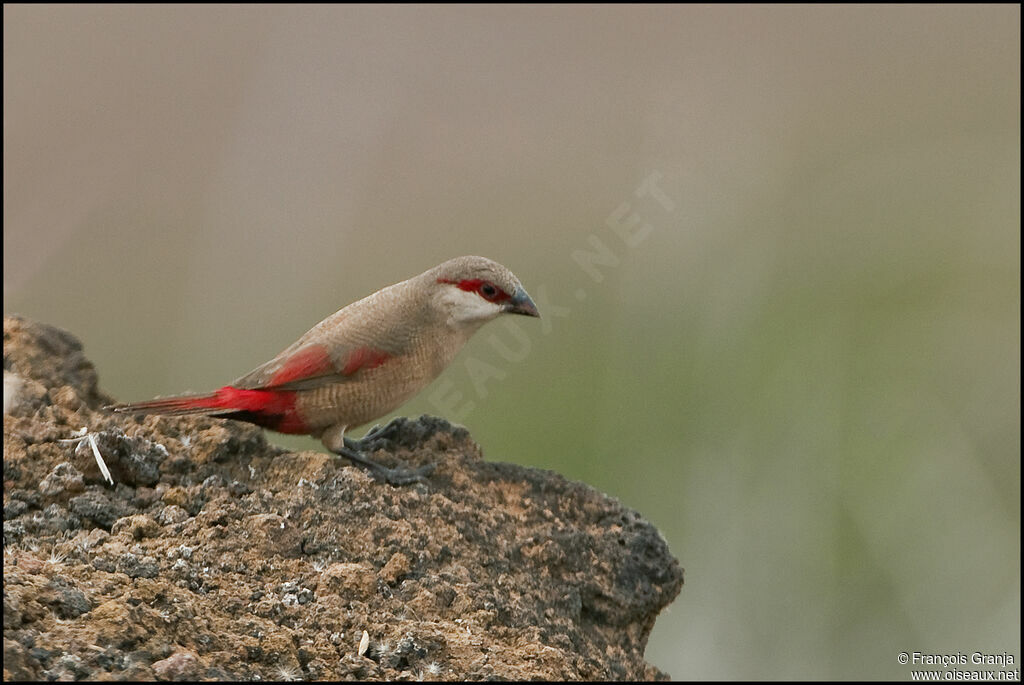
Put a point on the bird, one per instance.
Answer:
(364, 361)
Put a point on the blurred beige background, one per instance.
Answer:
(806, 372)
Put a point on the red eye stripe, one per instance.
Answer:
(476, 285)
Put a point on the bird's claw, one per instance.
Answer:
(393, 476)
(399, 477)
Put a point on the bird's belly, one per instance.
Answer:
(353, 403)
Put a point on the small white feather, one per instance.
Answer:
(364, 643)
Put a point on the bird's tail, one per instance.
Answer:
(274, 409)
(207, 404)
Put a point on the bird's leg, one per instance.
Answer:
(334, 439)
(392, 476)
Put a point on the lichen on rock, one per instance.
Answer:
(216, 555)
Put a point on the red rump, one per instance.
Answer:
(306, 363)
(271, 408)
(270, 401)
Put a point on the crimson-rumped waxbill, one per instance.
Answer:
(365, 360)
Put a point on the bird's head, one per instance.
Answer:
(473, 290)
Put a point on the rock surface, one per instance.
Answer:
(218, 556)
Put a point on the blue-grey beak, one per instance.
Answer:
(520, 303)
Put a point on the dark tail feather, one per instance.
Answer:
(208, 404)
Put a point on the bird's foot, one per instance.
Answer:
(377, 434)
(393, 476)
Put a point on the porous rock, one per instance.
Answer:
(218, 556)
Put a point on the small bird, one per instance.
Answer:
(364, 360)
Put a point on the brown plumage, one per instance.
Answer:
(366, 359)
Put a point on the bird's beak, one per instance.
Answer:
(521, 304)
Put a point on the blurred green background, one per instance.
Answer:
(806, 374)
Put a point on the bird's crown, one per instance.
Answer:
(472, 272)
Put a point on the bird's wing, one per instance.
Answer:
(342, 347)
(313, 365)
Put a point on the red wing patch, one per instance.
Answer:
(308, 362)
(364, 358)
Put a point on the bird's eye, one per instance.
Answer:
(488, 291)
